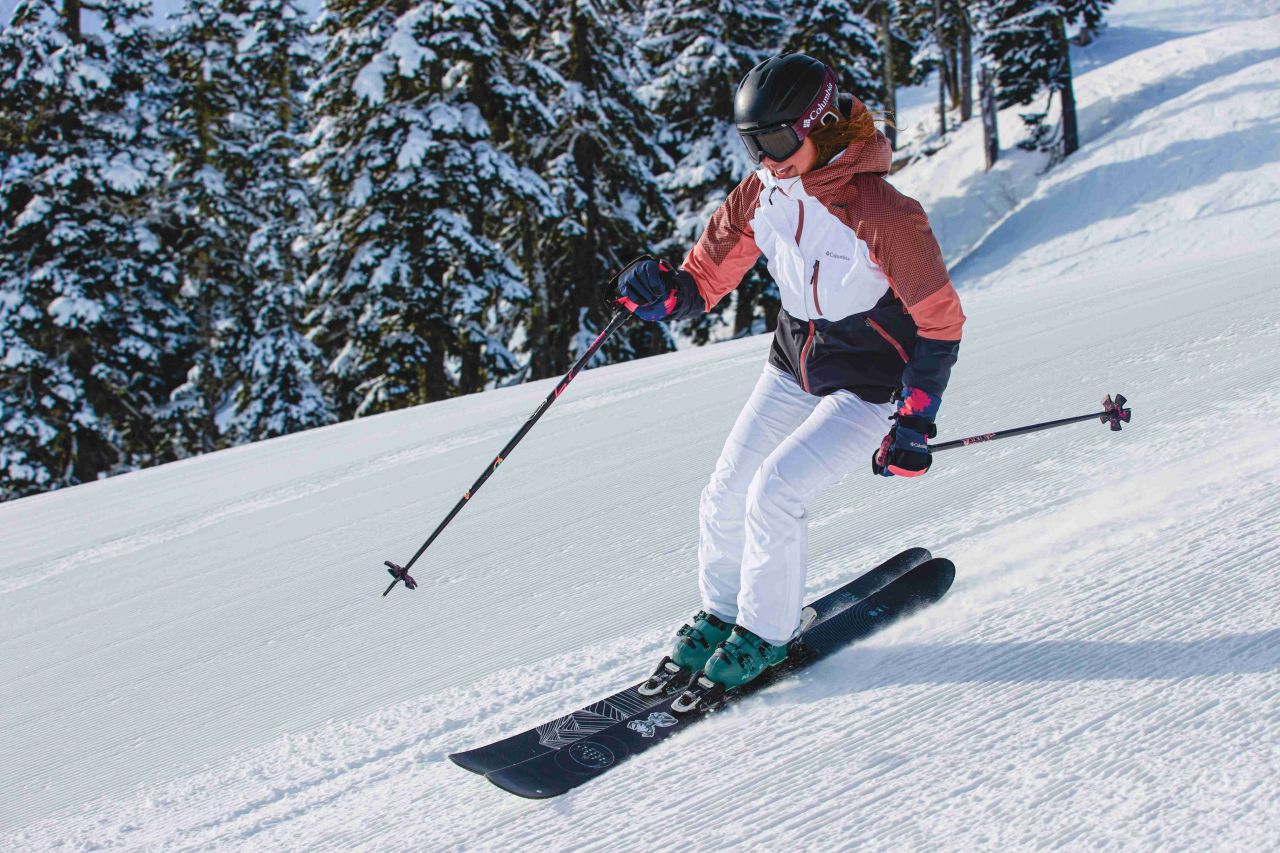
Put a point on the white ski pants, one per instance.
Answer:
(786, 447)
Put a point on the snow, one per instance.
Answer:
(162, 11)
(196, 655)
(122, 175)
(371, 81)
(415, 147)
(409, 54)
(75, 311)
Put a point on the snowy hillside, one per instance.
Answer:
(197, 655)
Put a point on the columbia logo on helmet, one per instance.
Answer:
(821, 107)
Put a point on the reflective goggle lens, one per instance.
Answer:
(777, 143)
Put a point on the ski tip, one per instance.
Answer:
(932, 579)
(946, 572)
(514, 780)
(915, 555)
(468, 761)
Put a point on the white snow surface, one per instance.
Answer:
(197, 656)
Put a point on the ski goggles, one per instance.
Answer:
(781, 141)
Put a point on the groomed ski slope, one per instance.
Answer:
(196, 656)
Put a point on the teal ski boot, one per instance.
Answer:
(694, 645)
(736, 661)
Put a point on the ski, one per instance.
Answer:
(597, 716)
(555, 771)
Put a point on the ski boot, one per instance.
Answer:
(694, 644)
(736, 661)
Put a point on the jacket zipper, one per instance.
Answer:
(892, 340)
(816, 303)
(808, 341)
(804, 358)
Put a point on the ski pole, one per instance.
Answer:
(1113, 413)
(401, 573)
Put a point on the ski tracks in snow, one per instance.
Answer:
(1095, 662)
(1105, 673)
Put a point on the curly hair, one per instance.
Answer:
(858, 125)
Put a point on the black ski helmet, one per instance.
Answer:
(780, 101)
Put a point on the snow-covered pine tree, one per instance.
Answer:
(1027, 42)
(485, 45)
(275, 390)
(208, 179)
(935, 27)
(881, 13)
(599, 162)
(88, 323)
(697, 52)
(1089, 14)
(512, 88)
(404, 281)
(831, 31)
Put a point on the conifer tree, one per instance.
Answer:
(208, 177)
(899, 35)
(484, 45)
(697, 53)
(87, 318)
(829, 30)
(1027, 42)
(941, 32)
(513, 89)
(600, 161)
(406, 279)
(275, 390)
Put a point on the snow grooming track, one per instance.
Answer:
(1104, 675)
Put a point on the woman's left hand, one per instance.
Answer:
(905, 450)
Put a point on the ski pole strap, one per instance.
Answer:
(924, 426)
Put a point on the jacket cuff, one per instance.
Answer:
(689, 301)
(929, 368)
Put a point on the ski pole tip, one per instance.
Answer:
(1114, 412)
(399, 574)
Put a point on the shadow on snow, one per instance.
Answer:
(1053, 660)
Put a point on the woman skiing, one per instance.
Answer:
(868, 332)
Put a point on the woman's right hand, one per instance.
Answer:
(646, 288)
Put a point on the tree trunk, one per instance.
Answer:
(890, 83)
(470, 369)
(987, 102)
(942, 99)
(1063, 83)
(538, 332)
(966, 73)
(71, 20)
(942, 68)
(433, 381)
(953, 76)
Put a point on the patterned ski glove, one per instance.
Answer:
(655, 290)
(905, 450)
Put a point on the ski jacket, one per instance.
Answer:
(867, 304)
